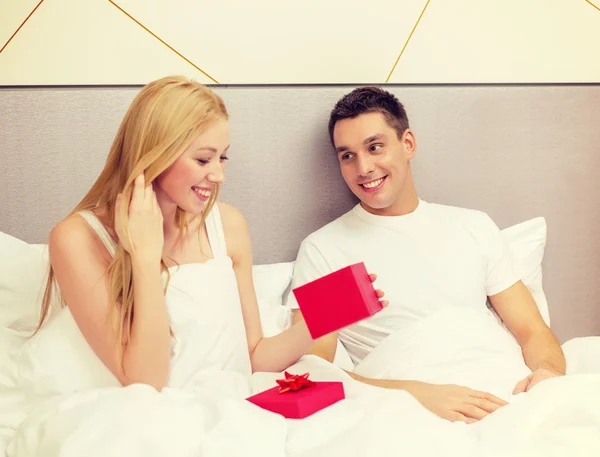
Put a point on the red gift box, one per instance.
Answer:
(337, 300)
(298, 404)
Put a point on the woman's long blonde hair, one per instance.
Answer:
(163, 120)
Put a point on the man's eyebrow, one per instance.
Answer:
(376, 137)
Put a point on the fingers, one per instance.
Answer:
(521, 386)
(138, 195)
(458, 417)
(478, 408)
(486, 406)
(118, 209)
(142, 194)
(118, 222)
(489, 397)
(534, 381)
(473, 412)
(149, 195)
(380, 293)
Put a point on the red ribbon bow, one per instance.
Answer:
(294, 382)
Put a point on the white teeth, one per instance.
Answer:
(372, 184)
(204, 193)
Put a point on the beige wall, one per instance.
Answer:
(300, 41)
(515, 152)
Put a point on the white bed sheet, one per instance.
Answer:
(12, 401)
(559, 417)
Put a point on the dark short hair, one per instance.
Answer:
(368, 100)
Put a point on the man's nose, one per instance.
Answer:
(364, 166)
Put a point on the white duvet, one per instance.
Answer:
(559, 417)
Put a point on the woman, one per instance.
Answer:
(152, 268)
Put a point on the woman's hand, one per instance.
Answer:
(145, 239)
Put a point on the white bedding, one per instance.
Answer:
(559, 417)
(455, 346)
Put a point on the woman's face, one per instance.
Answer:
(189, 181)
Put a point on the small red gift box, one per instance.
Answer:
(298, 404)
(337, 300)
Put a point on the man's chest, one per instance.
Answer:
(419, 275)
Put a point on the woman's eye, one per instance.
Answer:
(202, 161)
(224, 158)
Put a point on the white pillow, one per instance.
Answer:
(23, 270)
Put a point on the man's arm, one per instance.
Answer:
(516, 307)
(541, 350)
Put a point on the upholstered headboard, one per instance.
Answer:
(514, 151)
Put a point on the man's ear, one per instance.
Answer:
(410, 143)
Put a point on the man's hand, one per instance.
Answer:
(380, 293)
(539, 375)
(455, 403)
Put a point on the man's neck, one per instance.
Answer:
(399, 208)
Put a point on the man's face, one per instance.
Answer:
(374, 161)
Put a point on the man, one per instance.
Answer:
(428, 257)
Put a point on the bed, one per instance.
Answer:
(526, 155)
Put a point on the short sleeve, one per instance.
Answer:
(501, 271)
(310, 265)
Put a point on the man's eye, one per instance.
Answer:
(346, 156)
(375, 147)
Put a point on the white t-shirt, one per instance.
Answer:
(433, 258)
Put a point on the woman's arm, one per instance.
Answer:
(271, 354)
(80, 263)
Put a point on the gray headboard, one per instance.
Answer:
(514, 151)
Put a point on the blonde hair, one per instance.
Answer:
(163, 120)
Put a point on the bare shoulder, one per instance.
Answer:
(234, 221)
(70, 233)
(235, 228)
(73, 237)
